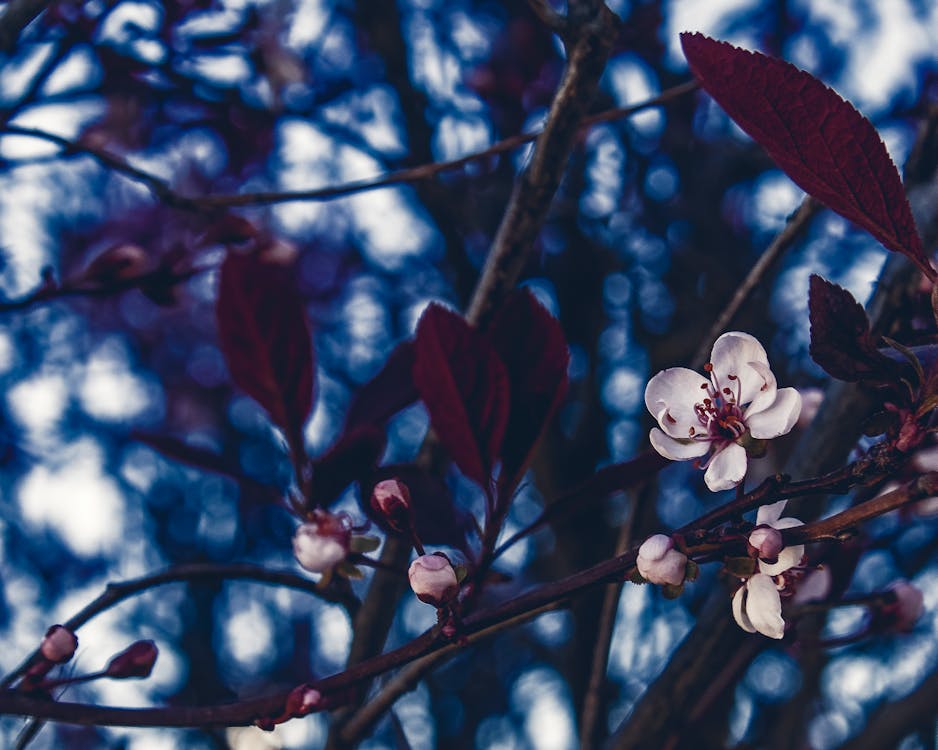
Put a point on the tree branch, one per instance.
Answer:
(162, 191)
(115, 593)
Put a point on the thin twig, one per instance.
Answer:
(593, 701)
(117, 592)
(475, 626)
(161, 189)
(796, 225)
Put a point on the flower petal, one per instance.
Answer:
(767, 391)
(727, 468)
(677, 450)
(739, 610)
(731, 355)
(671, 395)
(764, 606)
(769, 514)
(779, 418)
(787, 559)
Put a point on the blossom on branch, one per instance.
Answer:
(757, 604)
(658, 561)
(59, 644)
(727, 414)
(433, 579)
(322, 543)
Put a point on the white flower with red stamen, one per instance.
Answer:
(739, 403)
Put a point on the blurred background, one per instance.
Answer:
(658, 219)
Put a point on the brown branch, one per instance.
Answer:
(534, 190)
(115, 593)
(170, 197)
(49, 293)
(593, 700)
(475, 626)
(794, 228)
(896, 719)
(834, 527)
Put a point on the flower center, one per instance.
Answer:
(719, 413)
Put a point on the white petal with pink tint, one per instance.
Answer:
(677, 450)
(727, 468)
(777, 419)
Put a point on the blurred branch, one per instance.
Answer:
(534, 190)
(796, 225)
(549, 17)
(593, 701)
(16, 16)
(115, 593)
(49, 291)
(896, 719)
(161, 189)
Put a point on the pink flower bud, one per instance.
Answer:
(433, 579)
(391, 499)
(116, 263)
(302, 700)
(59, 644)
(322, 543)
(658, 561)
(908, 606)
(136, 660)
(767, 542)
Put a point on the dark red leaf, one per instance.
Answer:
(354, 456)
(841, 341)
(821, 142)
(464, 385)
(265, 337)
(531, 343)
(391, 390)
(436, 517)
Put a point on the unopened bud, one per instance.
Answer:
(302, 700)
(118, 262)
(908, 606)
(658, 561)
(433, 579)
(136, 660)
(767, 542)
(59, 644)
(391, 498)
(322, 543)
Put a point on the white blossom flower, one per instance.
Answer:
(737, 404)
(757, 607)
(433, 579)
(658, 561)
(322, 543)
